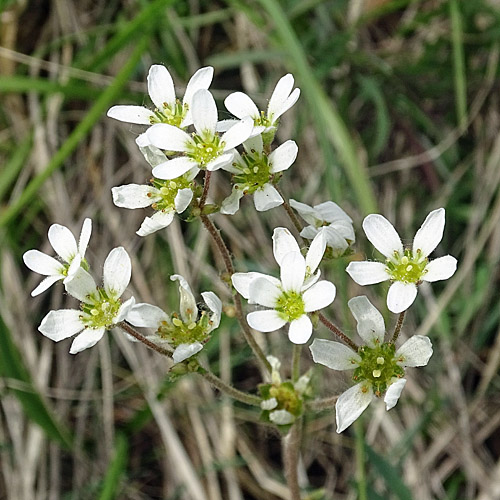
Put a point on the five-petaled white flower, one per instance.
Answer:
(162, 92)
(186, 333)
(329, 219)
(71, 256)
(295, 295)
(254, 173)
(205, 149)
(100, 308)
(282, 99)
(378, 366)
(405, 267)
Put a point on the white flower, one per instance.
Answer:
(205, 149)
(187, 333)
(329, 219)
(100, 308)
(161, 90)
(378, 366)
(405, 267)
(291, 298)
(254, 173)
(282, 99)
(71, 256)
(166, 197)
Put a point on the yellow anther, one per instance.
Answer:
(380, 360)
(94, 312)
(191, 326)
(255, 170)
(177, 322)
(404, 260)
(172, 184)
(409, 268)
(377, 373)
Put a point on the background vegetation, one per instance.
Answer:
(399, 114)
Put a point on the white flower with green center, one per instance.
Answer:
(166, 197)
(71, 256)
(205, 149)
(378, 366)
(188, 331)
(291, 297)
(255, 172)
(162, 92)
(282, 99)
(100, 308)
(329, 219)
(406, 268)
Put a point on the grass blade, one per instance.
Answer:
(116, 468)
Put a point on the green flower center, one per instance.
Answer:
(287, 398)
(171, 114)
(263, 120)
(177, 332)
(254, 173)
(100, 311)
(408, 268)
(290, 306)
(168, 191)
(206, 148)
(378, 367)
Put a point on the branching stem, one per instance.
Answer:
(132, 331)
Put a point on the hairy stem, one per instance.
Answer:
(297, 349)
(322, 404)
(241, 396)
(291, 449)
(226, 256)
(132, 331)
(290, 212)
(337, 331)
(206, 187)
(399, 325)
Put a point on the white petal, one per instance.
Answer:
(267, 198)
(42, 263)
(131, 114)
(73, 268)
(204, 113)
(440, 269)
(225, 125)
(293, 270)
(254, 144)
(315, 253)
(160, 86)
(367, 273)
(232, 203)
(241, 281)
(117, 272)
(124, 310)
(221, 161)
(200, 80)
(183, 199)
(59, 325)
(416, 351)
(240, 105)
(283, 243)
(393, 392)
(269, 404)
(292, 99)
(334, 240)
(81, 286)
(300, 330)
(153, 155)
(401, 296)
(430, 233)
(215, 305)
(134, 196)
(371, 327)
(331, 212)
(84, 239)
(334, 355)
(63, 242)
(238, 134)
(351, 404)
(309, 232)
(146, 315)
(156, 222)
(185, 351)
(88, 338)
(309, 214)
(168, 137)
(344, 228)
(188, 307)
(282, 157)
(382, 235)
(320, 295)
(264, 292)
(265, 321)
(172, 169)
(45, 284)
(280, 96)
(281, 417)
